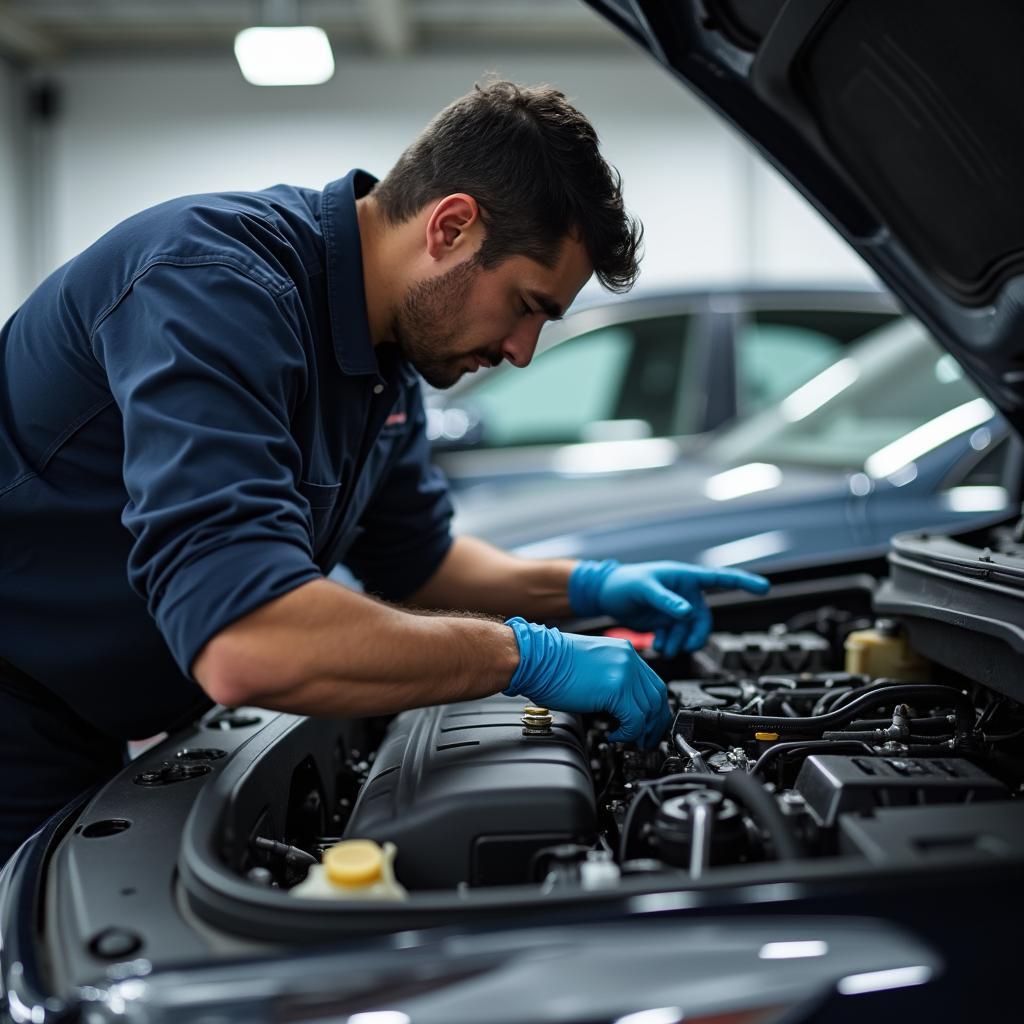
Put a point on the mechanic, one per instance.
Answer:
(218, 401)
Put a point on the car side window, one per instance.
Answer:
(777, 351)
(618, 380)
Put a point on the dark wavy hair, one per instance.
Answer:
(531, 161)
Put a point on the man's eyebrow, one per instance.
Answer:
(552, 310)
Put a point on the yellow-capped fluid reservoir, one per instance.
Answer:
(356, 869)
(883, 652)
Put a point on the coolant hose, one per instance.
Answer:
(913, 693)
(751, 794)
(825, 746)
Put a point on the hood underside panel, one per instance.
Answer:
(926, 139)
(902, 123)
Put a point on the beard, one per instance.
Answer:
(429, 322)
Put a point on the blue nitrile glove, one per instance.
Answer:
(662, 597)
(569, 672)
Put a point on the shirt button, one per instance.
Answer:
(378, 388)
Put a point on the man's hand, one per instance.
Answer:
(569, 672)
(663, 597)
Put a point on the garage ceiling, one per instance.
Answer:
(46, 29)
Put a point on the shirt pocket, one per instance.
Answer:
(323, 504)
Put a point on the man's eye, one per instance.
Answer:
(524, 309)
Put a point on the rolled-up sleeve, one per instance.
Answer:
(205, 364)
(406, 528)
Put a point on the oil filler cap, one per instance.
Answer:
(536, 721)
(354, 862)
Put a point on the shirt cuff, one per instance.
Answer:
(209, 594)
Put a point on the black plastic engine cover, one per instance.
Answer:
(466, 797)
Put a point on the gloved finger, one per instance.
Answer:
(733, 579)
(701, 628)
(658, 711)
(636, 703)
(631, 725)
(663, 722)
(659, 639)
(677, 637)
(643, 694)
(657, 724)
(661, 599)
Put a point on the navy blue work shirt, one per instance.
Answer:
(193, 421)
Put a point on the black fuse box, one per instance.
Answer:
(832, 785)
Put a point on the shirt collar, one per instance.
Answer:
(346, 296)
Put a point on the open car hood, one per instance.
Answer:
(901, 123)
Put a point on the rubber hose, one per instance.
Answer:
(733, 722)
(751, 794)
(831, 746)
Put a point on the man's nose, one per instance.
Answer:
(519, 346)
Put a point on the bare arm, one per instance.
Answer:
(322, 649)
(475, 576)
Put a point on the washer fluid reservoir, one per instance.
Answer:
(356, 869)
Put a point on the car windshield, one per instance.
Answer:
(894, 397)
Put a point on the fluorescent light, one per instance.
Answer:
(296, 55)
(748, 479)
(615, 456)
(793, 950)
(947, 369)
(860, 484)
(380, 1017)
(879, 981)
(454, 424)
(981, 439)
(662, 1015)
(746, 549)
(904, 475)
(821, 389)
(927, 437)
(976, 499)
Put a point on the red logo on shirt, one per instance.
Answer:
(395, 419)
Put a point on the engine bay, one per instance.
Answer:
(826, 735)
(826, 754)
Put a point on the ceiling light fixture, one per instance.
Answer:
(282, 52)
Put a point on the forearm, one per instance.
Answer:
(324, 650)
(476, 576)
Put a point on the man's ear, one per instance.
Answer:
(453, 225)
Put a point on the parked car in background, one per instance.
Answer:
(892, 436)
(673, 365)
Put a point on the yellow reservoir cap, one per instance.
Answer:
(766, 737)
(354, 863)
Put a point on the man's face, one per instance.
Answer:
(467, 317)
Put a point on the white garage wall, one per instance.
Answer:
(132, 133)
